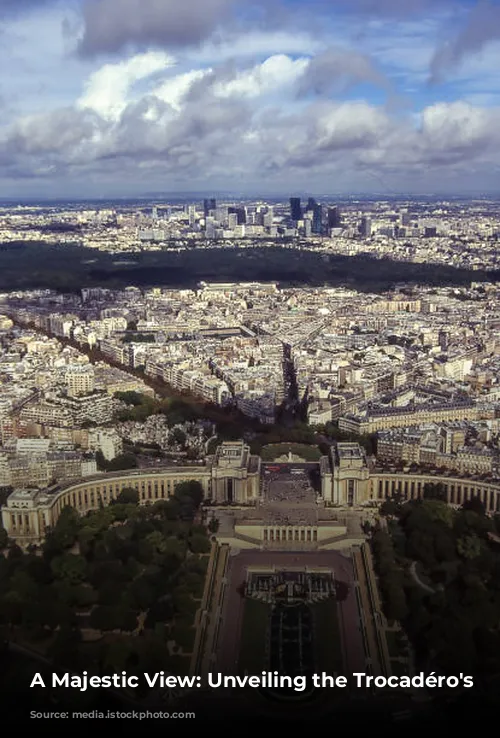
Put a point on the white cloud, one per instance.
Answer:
(273, 74)
(273, 102)
(107, 89)
(459, 125)
(174, 89)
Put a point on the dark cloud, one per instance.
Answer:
(211, 136)
(483, 26)
(335, 70)
(110, 26)
(113, 25)
(60, 131)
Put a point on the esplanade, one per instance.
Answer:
(234, 477)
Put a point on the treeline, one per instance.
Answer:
(127, 569)
(232, 425)
(391, 576)
(439, 572)
(122, 462)
(66, 267)
(139, 407)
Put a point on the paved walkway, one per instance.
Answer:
(417, 580)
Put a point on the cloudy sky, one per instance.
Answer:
(125, 97)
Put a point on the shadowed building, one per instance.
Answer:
(295, 209)
(208, 205)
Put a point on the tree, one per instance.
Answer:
(475, 504)
(70, 567)
(4, 538)
(24, 585)
(184, 635)
(420, 546)
(122, 462)
(84, 597)
(195, 583)
(469, 546)
(65, 648)
(38, 569)
(158, 541)
(127, 620)
(117, 656)
(467, 521)
(184, 604)
(366, 527)
(434, 491)
(179, 437)
(161, 611)
(213, 525)
(104, 618)
(86, 540)
(141, 594)
(110, 593)
(191, 489)
(105, 572)
(130, 398)
(65, 532)
(128, 496)
(437, 510)
(396, 603)
(389, 508)
(444, 546)
(15, 553)
(199, 544)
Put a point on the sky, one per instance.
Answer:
(121, 98)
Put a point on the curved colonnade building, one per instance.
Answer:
(233, 477)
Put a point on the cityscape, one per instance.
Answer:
(306, 439)
(455, 232)
(250, 363)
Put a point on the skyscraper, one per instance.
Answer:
(366, 227)
(317, 221)
(311, 204)
(208, 205)
(334, 219)
(295, 208)
(268, 218)
(241, 213)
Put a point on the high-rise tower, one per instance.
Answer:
(295, 208)
(208, 205)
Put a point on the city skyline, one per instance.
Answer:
(109, 99)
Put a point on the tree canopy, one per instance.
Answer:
(127, 569)
(439, 573)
